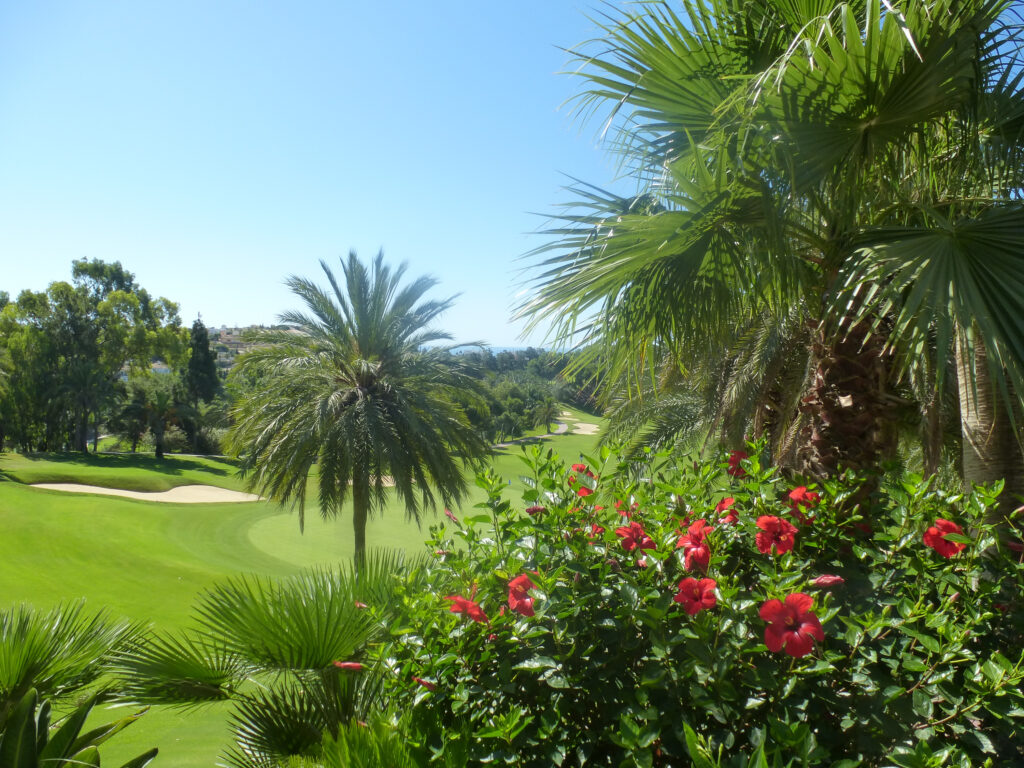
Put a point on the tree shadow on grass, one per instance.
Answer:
(502, 448)
(169, 465)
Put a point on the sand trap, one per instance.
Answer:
(183, 494)
(568, 416)
(583, 428)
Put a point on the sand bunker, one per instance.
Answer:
(583, 428)
(183, 494)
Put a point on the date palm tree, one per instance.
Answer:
(351, 397)
(859, 159)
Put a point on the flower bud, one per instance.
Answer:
(828, 580)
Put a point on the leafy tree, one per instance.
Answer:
(856, 162)
(68, 347)
(351, 388)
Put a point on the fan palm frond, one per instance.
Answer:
(56, 652)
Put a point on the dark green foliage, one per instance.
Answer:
(920, 664)
(853, 165)
(29, 740)
(201, 380)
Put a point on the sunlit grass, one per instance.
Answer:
(149, 560)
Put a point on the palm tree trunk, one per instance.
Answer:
(851, 414)
(360, 507)
(991, 450)
(82, 432)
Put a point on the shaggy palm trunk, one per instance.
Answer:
(991, 450)
(850, 412)
(360, 507)
(158, 440)
(931, 437)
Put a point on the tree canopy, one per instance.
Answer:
(352, 395)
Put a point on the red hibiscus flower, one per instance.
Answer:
(594, 532)
(695, 549)
(425, 683)
(582, 469)
(828, 580)
(776, 535)
(696, 595)
(734, 464)
(626, 510)
(935, 537)
(348, 665)
(801, 497)
(792, 627)
(519, 599)
(448, 513)
(634, 537)
(730, 516)
(467, 606)
(361, 605)
(584, 490)
(536, 509)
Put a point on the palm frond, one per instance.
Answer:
(56, 652)
(179, 669)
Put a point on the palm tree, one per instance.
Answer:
(546, 412)
(161, 408)
(350, 388)
(58, 653)
(859, 159)
(284, 636)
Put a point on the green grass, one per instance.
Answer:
(149, 560)
(128, 471)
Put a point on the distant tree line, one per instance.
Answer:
(99, 352)
(98, 355)
(524, 390)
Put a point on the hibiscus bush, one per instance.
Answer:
(713, 613)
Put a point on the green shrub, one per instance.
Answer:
(572, 636)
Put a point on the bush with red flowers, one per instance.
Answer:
(879, 631)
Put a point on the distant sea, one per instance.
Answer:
(494, 350)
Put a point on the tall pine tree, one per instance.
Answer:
(201, 381)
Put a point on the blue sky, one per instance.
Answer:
(216, 147)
